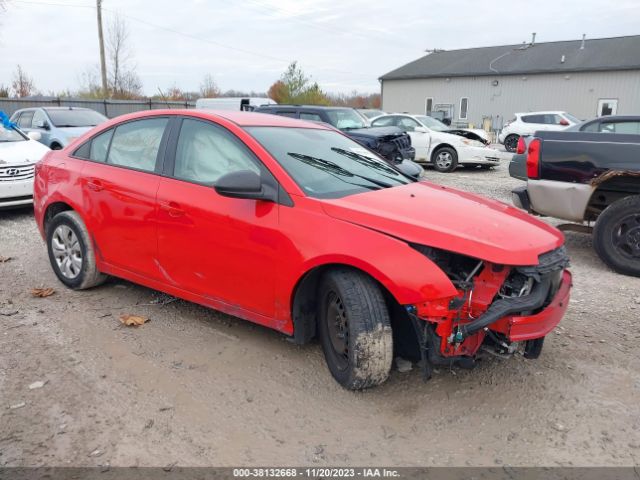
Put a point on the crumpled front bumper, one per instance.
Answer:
(521, 328)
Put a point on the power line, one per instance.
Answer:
(191, 36)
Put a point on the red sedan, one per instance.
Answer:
(294, 226)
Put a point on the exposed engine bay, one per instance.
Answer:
(490, 296)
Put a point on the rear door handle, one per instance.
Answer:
(95, 185)
(172, 208)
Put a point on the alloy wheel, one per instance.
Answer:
(67, 251)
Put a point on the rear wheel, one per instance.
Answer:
(71, 253)
(445, 159)
(616, 236)
(511, 143)
(355, 329)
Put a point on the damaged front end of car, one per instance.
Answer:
(499, 309)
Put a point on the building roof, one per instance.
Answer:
(600, 54)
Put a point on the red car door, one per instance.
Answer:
(218, 247)
(119, 194)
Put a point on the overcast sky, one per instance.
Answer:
(246, 44)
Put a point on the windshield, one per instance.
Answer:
(75, 118)
(326, 164)
(10, 135)
(345, 119)
(432, 123)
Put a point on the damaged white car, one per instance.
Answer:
(443, 147)
(18, 156)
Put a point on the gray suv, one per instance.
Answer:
(58, 126)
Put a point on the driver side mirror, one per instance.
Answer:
(421, 129)
(242, 184)
(41, 124)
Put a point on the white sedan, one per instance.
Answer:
(18, 156)
(436, 144)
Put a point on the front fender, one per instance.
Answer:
(409, 276)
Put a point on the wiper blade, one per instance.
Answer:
(336, 170)
(372, 163)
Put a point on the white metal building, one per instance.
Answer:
(586, 78)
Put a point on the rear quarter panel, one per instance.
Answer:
(57, 179)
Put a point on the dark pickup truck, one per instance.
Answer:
(592, 180)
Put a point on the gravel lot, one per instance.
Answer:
(200, 388)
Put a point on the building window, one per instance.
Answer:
(607, 106)
(428, 108)
(464, 103)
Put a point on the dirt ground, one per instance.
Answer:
(198, 388)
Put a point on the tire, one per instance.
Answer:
(616, 236)
(71, 252)
(511, 143)
(354, 329)
(56, 146)
(445, 159)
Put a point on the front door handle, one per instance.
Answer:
(95, 185)
(172, 208)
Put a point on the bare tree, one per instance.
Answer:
(22, 83)
(123, 80)
(209, 88)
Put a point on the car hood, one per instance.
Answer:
(19, 153)
(440, 217)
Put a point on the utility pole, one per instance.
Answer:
(103, 63)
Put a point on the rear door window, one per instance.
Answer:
(136, 144)
(100, 146)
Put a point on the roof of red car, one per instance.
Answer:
(243, 119)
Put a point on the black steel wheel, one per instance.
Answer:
(354, 329)
(616, 236)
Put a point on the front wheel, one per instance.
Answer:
(445, 159)
(354, 329)
(616, 236)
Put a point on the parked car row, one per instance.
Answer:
(439, 145)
